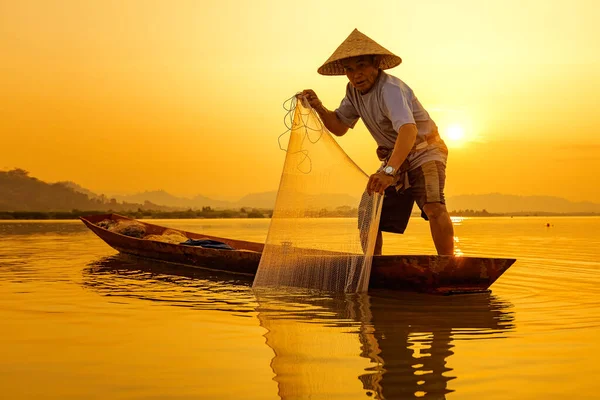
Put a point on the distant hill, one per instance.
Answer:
(328, 200)
(258, 200)
(79, 189)
(264, 200)
(504, 203)
(493, 202)
(21, 192)
(167, 199)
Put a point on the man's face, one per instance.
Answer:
(361, 71)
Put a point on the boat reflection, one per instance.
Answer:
(381, 345)
(170, 284)
(404, 340)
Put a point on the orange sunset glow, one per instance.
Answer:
(186, 96)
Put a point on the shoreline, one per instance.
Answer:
(231, 214)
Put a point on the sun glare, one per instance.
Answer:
(455, 133)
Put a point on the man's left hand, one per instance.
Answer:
(378, 182)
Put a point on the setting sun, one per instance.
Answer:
(455, 133)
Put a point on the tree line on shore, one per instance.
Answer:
(205, 212)
(208, 212)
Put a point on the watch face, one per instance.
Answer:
(388, 170)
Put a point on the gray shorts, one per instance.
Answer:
(426, 186)
(427, 183)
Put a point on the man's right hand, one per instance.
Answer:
(329, 118)
(311, 97)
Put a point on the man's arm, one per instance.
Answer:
(330, 118)
(407, 134)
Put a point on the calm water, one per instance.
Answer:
(79, 322)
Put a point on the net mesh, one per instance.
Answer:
(324, 226)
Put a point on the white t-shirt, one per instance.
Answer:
(384, 109)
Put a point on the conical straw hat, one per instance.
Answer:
(358, 44)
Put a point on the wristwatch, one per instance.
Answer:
(389, 170)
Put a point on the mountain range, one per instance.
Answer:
(503, 203)
(265, 200)
(492, 202)
(20, 192)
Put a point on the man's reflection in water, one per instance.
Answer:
(385, 345)
(404, 340)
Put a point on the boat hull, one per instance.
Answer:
(421, 273)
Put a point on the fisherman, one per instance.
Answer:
(412, 153)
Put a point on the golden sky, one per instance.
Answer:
(185, 96)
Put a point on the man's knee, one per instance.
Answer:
(434, 210)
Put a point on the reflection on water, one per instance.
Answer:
(406, 339)
(74, 325)
(127, 276)
(382, 345)
(46, 228)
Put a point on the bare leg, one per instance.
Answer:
(378, 244)
(441, 228)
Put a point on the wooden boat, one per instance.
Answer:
(422, 273)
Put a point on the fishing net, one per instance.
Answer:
(324, 226)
